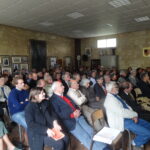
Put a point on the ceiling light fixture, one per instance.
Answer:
(46, 24)
(119, 3)
(75, 15)
(141, 19)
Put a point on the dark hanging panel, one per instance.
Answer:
(38, 54)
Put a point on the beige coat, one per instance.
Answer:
(116, 113)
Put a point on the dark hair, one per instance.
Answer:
(143, 74)
(33, 92)
(124, 85)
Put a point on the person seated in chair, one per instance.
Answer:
(42, 123)
(70, 116)
(121, 116)
(144, 84)
(4, 139)
(125, 94)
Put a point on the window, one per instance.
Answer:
(106, 43)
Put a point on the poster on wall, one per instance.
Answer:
(146, 52)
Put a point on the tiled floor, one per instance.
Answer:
(75, 144)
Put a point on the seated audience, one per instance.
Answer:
(106, 79)
(41, 83)
(91, 105)
(17, 101)
(33, 81)
(93, 77)
(132, 78)
(75, 94)
(65, 81)
(42, 121)
(144, 84)
(121, 116)
(48, 89)
(123, 76)
(4, 92)
(70, 116)
(125, 94)
(77, 77)
(100, 90)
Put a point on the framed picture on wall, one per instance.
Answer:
(16, 60)
(24, 59)
(6, 69)
(53, 61)
(24, 66)
(16, 66)
(146, 52)
(88, 51)
(5, 61)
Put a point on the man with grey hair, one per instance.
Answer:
(72, 119)
(121, 116)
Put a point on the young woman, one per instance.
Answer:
(41, 122)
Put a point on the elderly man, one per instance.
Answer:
(71, 117)
(75, 94)
(120, 116)
(125, 94)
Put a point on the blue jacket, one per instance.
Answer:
(63, 110)
(14, 100)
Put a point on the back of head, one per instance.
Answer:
(110, 85)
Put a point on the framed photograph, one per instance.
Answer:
(6, 69)
(16, 60)
(67, 61)
(16, 66)
(24, 59)
(88, 52)
(53, 61)
(5, 61)
(146, 52)
(24, 66)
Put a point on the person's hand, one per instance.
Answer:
(56, 125)
(50, 133)
(76, 113)
(135, 119)
(97, 99)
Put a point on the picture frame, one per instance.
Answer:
(88, 52)
(146, 52)
(5, 61)
(24, 66)
(16, 59)
(68, 61)
(24, 59)
(6, 69)
(53, 61)
(15, 66)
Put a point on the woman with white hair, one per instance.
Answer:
(121, 116)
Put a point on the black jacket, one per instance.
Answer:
(39, 117)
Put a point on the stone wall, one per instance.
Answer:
(15, 41)
(129, 48)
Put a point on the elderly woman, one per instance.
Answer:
(92, 103)
(42, 123)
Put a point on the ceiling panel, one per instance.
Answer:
(100, 18)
